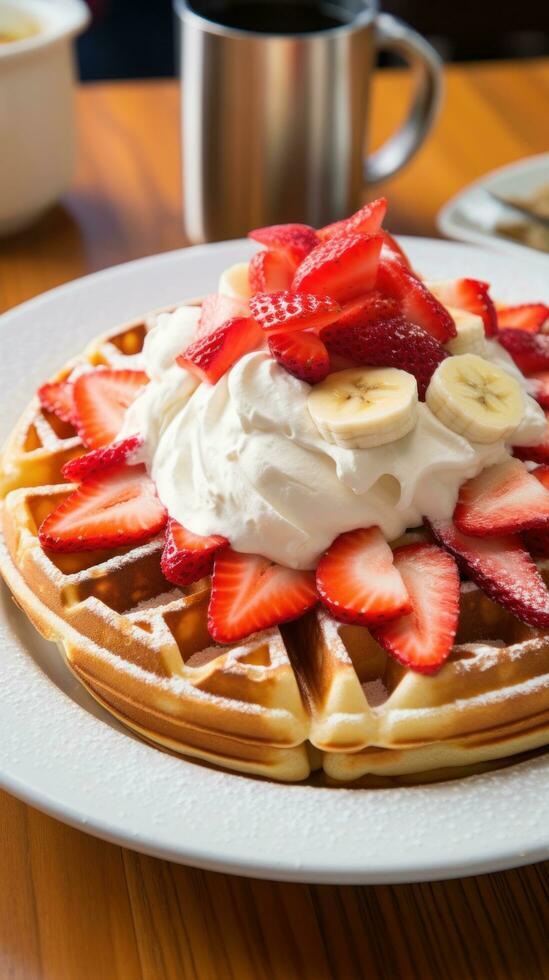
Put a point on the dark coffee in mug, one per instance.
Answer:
(275, 16)
(275, 109)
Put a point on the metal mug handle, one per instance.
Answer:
(394, 35)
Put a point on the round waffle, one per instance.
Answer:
(312, 695)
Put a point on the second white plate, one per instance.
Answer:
(471, 215)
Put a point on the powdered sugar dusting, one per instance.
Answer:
(376, 693)
(157, 601)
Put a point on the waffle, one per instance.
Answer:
(311, 695)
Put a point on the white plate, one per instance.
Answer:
(60, 752)
(471, 216)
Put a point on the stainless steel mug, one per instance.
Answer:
(274, 124)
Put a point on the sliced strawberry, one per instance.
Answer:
(502, 568)
(417, 303)
(541, 473)
(423, 638)
(502, 499)
(357, 580)
(535, 454)
(394, 250)
(250, 593)
(471, 295)
(285, 311)
(295, 241)
(371, 307)
(101, 398)
(188, 557)
(530, 351)
(538, 387)
(367, 221)
(58, 397)
(211, 356)
(270, 272)
(342, 268)
(301, 354)
(124, 451)
(117, 507)
(216, 309)
(388, 343)
(528, 316)
(537, 541)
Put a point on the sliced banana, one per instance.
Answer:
(470, 338)
(360, 408)
(234, 282)
(475, 398)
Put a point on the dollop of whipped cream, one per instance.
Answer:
(244, 459)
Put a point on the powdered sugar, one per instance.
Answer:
(376, 693)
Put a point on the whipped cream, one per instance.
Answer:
(243, 458)
(170, 334)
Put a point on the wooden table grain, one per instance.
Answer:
(73, 907)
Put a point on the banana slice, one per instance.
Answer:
(360, 408)
(234, 282)
(471, 338)
(475, 398)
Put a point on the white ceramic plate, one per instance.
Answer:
(60, 752)
(471, 216)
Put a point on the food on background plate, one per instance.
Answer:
(536, 204)
(533, 228)
(301, 523)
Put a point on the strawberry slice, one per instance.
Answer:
(535, 454)
(530, 351)
(124, 451)
(58, 397)
(537, 541)
(216, 309)
(269, 272)
(371, 307)
(188, 557)
(101, 398)
(502, 568)
(357, 580)
(388, 343)
(502, 499)
(528, 316)
(342, 267)
(423, 638)
(471, 295)
(285, 311)
(541, 473)
(111, 509)
(295, 241)
(211, 356)
(417, 303)
(250, 593)
(301, 354)
(392, 248)
(538, 387)
(367, 221)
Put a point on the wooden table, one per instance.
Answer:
(74, 907)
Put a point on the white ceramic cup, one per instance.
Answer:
(37, 128)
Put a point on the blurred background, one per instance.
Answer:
(135, 38)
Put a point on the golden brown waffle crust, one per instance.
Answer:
(313, 695)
